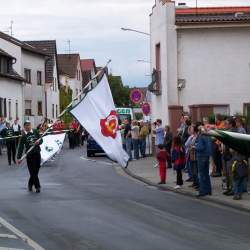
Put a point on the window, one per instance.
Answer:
(39, 108)
(53, 111)
(5, 65)
(9, 109)
(158, 57)
(17, 110)
(28, 109)
(56, 110)
(39, 78)
(27, 75)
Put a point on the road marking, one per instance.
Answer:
(7, 248)
(21, 235)
(9, 236)
(100, 162)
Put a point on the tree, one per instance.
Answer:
(65, 100)
(121, 93)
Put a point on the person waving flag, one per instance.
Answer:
(97, 114)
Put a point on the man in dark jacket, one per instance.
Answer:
(28, 140)
(8, 132)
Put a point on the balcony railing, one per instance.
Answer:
(155, 86)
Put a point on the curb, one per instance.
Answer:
(186, 193)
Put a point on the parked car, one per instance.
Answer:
(93, 147)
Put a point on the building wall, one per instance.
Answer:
(33, 91)
(53, 96)
(7, 89)
(162, 26)
(216, 66)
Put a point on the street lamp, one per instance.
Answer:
(137, 31)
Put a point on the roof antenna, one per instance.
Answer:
(196, 5)
(69, 46)
(11, 27)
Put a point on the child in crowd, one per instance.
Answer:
(240, 173)
(162, 157)
(178, 159)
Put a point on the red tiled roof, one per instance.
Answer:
(88, 64)
(212, 10)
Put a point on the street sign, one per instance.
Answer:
(146, 108)
(136, 96)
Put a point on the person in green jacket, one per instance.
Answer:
(8, 132)
(30, 139)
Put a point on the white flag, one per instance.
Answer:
(52, 144)
(97, 114)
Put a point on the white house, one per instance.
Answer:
(30, 65)
(70, 72)
(52, 106)
(200, 61)
(11, 88)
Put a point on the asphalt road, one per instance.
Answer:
(88, 205)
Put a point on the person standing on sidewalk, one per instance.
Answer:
(29, 139)
(168, 140)
(162, 158)
(179, 160)
(240, 173)
(203, 150)
(10, 143)
(128, 138)
(144, 132)
(135, 133)
(227, 156)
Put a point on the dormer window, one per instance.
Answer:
(5, 65)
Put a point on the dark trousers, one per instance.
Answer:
(179, 180)
(34, 164)
(142, 144)
(204, 178)
(11, 151)
(195, 173)
(136, 148)
(71, 140)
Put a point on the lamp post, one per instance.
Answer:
(137, 31)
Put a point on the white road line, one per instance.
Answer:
(21, 235)
(7, 248)
(100, 162)
(9, 236)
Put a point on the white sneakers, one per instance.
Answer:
(177, 187)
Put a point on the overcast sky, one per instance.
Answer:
(93, 26)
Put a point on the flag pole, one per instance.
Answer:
(65, 110)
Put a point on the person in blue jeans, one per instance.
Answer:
(135, 133)
(128, 138)
(240, 173)
(203, 149)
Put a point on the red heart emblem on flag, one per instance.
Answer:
(109, 125)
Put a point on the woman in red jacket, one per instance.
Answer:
(162, 157)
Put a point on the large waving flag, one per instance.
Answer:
(236, 141)
(52, 145)
(97, 114)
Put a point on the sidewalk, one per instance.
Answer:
(144, 170)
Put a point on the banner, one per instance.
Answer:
(52, 144)
(97, 114)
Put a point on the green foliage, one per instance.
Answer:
(138, 116)
(65, 99)
(121, 93)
